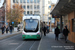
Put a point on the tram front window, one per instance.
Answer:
(31, 25)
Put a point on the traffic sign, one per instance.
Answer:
(12, 22)
(49, 6)
(6, 23)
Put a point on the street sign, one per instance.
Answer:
(49, 6)
(12, 22)
(6, 23)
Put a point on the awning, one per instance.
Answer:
(63, 7)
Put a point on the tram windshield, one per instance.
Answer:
(31, 25)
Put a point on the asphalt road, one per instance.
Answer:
(17, 43)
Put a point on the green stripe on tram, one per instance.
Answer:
(31, 37)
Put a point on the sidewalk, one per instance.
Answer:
(9, 34)
(48, 42)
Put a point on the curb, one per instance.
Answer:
(39, 44)
(10, 35)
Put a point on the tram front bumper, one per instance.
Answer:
(31, 37)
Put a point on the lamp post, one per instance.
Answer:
(43, 9)
(5, 13)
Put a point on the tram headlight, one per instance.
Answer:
(38, 33)
(23, 33)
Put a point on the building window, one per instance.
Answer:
(34, 12)
(38, 1)
(13, 1)
(20, 1)
(34, 6)
(27, 12)
(34, 1)
(24, 1)
(48, 2)
(31, 1)
(37, 6)
(27, 1)
(28, 7)
(37, 12)
(16, 1)
(24, 7)
(30, 12)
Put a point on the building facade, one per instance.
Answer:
(47, 9)
(38, 7)
(8, 5)
(29, 6)
(2, 16)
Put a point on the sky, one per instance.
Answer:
(54, 1)
(1, 2)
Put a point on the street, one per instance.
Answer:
(17, 43)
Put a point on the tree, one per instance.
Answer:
(16, 14)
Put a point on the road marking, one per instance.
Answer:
(9, 38)
(13, 43)
(39, 43)
(32, 46)
(19, 46)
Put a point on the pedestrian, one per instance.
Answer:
(7, 29)
(18, 28)
(57, 32)
(44, 30)
(3, 29)
(11, 28)
(65, 33)
(47, 29)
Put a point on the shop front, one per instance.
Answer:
(66, 9)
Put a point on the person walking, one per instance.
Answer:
(11, 28)
(7, 29)
(57, 32)
(18, 28)
(3, 28)
(47, 29)
(44, 30)
(65, 33)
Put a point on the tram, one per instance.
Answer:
(31, 27)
